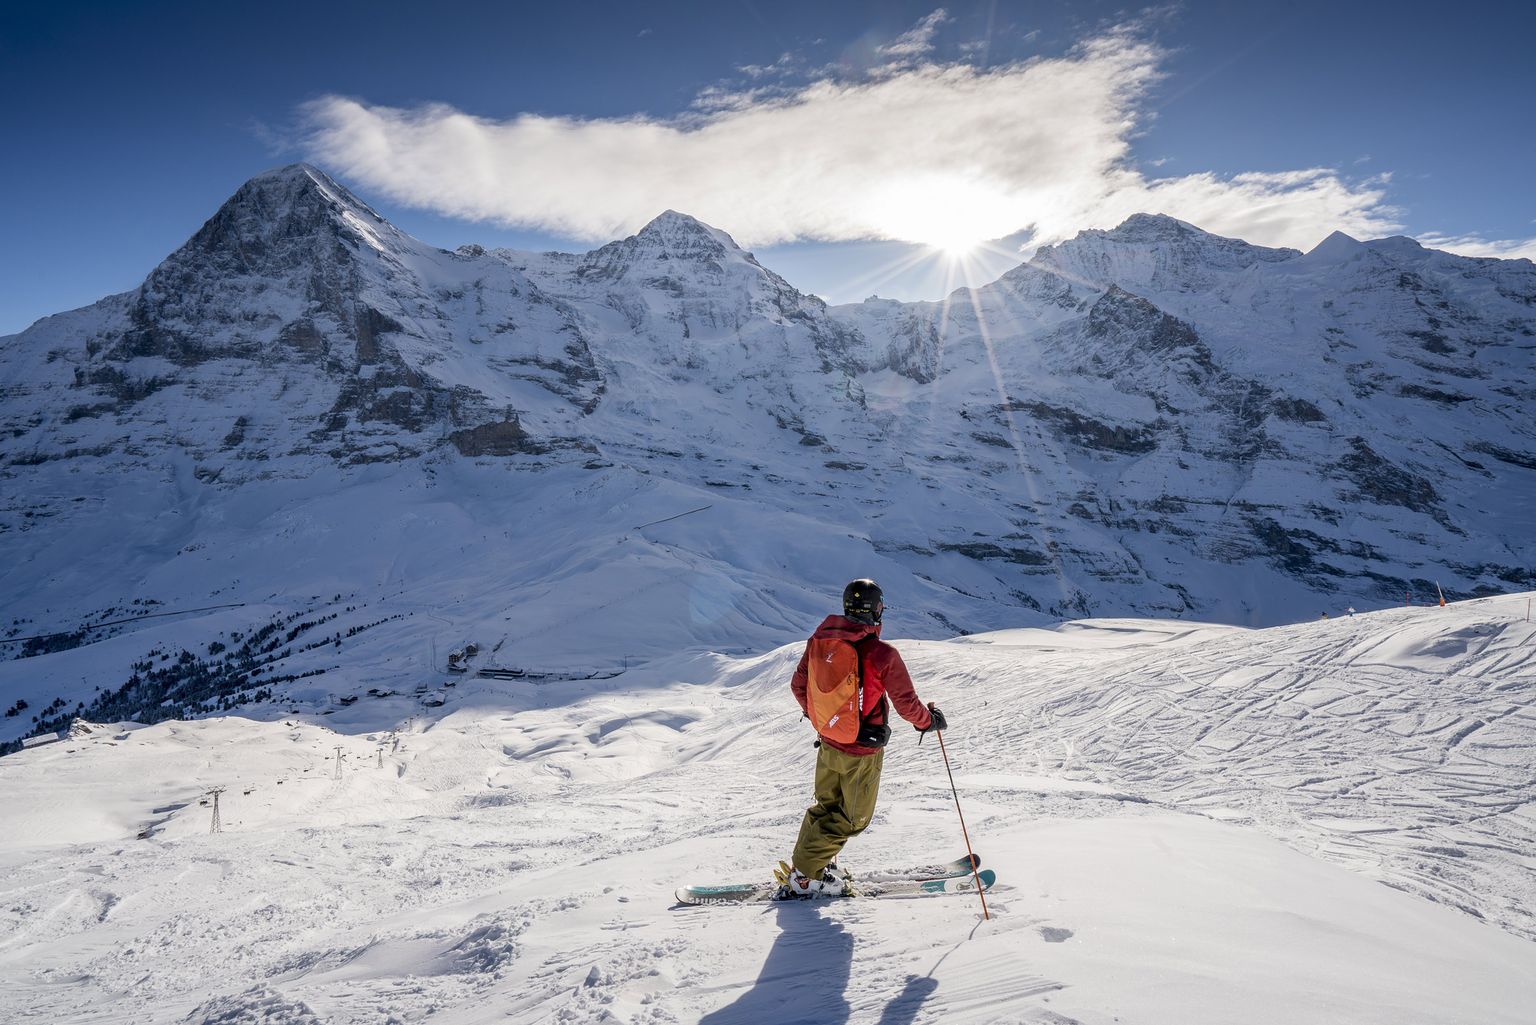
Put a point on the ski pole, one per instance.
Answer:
(985, 914)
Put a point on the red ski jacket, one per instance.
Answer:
(881, 669)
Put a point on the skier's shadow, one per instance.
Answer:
(804, 981)
(903, 1010)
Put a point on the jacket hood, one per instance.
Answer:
(846, 629)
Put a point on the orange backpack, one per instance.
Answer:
(836, 691)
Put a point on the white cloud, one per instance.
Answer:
(1476, 245)
(918, 150)
(917, 40)
(786, 63)
(1294, 208)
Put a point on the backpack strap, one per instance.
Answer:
(859, 668)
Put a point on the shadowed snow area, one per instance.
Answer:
(1189, 823)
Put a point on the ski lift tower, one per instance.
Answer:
(216, 826)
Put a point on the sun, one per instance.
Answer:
(951, 215)
(956, 248)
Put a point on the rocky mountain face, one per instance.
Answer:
(1357, 418)
(1149, 420)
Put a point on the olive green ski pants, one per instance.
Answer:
(846, 788)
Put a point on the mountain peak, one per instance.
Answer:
(1400, 246)
(1160, 228)
(1152, 251)
(670, 239)
(292, 204)
(1153, 228)
(291, 173)
(281, 188)
(673, 217)
(1339, 238)
(1336, 247)
(672, 229)
(291, 227)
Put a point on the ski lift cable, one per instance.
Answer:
(116, 622)
(667, 519)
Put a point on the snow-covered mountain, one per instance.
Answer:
(579, 460)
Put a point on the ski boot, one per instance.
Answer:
(796, 885)
(784, 870)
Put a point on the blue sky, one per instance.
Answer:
(841, 142)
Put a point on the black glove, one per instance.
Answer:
(938, 722)
(873, 734)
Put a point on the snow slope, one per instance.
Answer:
(1191, 823)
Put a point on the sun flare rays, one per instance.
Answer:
(964, 293)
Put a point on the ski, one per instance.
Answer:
(961, 866)
(757, 893)
(864, 883)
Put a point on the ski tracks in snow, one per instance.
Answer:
(1406, 753)
(513, 860)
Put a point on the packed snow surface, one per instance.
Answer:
(1189, 823)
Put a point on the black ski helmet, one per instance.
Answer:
(863, 601)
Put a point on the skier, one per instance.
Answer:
(841, 683)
